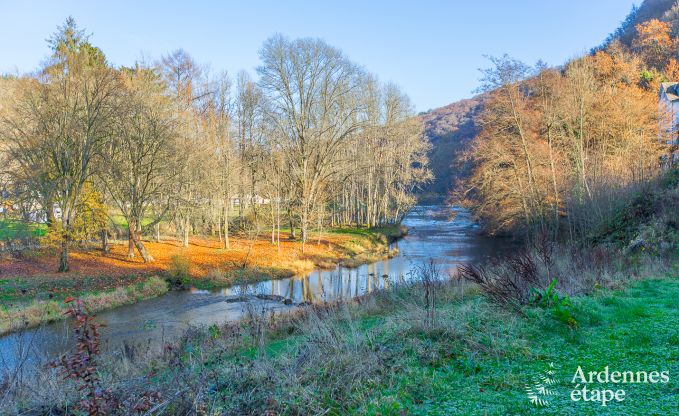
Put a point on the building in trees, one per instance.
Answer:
(669, 110)
(669, 102)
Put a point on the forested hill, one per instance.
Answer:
(451, 128)
(649, 9)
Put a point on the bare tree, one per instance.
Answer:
(313, 88)
(62, 123)
(249, 122)
(140, 157)
(182, 75)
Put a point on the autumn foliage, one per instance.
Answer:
(203, 254)
(654, 43)
(80, 365)
(559, 145)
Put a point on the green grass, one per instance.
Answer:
(631, 330)
(378, 356)
(224, 278)
(391, 232)
(477, 359)
(12, 230)
(31, 302)
(376, 237)
(119, 221)
(38, 299)
(21, 291)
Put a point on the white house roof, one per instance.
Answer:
(670, 89)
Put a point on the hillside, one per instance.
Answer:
(649, 9)
(449, 129)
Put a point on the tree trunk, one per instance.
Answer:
(157, 232)
(185, 241)
(292, 225)
(320, 225)
(273, 223)
(104, 241)
(130, 239)
(240, 209)
(303, 230)
(49, 212)
(219, 228)
(278, 224)
(63, 259)
(141, 248)
(304, 221)
(226, 225)
(554, 184)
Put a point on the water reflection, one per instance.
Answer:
(318, 286)
(448, 237)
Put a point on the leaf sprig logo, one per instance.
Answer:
(539, 390)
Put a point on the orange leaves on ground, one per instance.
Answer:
(115, 269)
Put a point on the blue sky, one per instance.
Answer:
(432, 49)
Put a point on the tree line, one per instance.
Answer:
(562, 149)
(314, 140)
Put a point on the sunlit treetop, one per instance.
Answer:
(71, 43)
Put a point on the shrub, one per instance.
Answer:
(560, 306)
(81, 364)
(429, 275)
(508, 282)
(178, 270)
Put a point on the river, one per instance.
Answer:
(445, 235)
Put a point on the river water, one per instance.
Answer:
(439, 233)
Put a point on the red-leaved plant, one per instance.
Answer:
(80, 365)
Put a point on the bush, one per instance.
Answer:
(508, 282)
(178, 270)
(560, 306)
(515, 280)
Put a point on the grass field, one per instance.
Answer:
(484, 369)
(475, 359)
(11, 229)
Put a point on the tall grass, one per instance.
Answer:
(306, 360)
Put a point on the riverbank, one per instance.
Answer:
(32, 294)
(394, 353)
(425, 345)
(471, 358)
